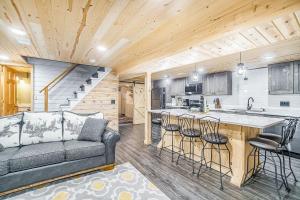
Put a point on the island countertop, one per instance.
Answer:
(260, 122)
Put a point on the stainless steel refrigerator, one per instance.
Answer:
(158, 98)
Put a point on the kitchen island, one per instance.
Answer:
(238, 128)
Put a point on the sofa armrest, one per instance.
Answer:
(110, 139)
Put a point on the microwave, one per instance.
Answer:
(193, 89)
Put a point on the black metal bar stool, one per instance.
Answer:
(189, 134)
(156, 128)
(210, 126)
(168, 128)
(274, 148)
(286, 151)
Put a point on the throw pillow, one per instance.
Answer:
(93, 129)
(74, 122)
(10, 130)
(39, 127)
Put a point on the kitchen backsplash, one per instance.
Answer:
(257, 87)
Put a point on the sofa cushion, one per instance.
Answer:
(93, 130)
(10, 130)
(83, 149)
(37, 155)
(41, 127)
(5, 155)
(74, 122)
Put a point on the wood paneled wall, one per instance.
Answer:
(100, 99)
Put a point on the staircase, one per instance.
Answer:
(84, 89)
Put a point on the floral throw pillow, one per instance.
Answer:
(39, 127)
(74, 122)
(10, 130)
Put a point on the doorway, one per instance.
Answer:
(132, 102)
(15, 89)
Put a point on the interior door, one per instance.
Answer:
(10, 91)
(139, 104)
(1, 91)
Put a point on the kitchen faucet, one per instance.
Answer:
(249, 106)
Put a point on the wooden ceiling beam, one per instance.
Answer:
(201, 22)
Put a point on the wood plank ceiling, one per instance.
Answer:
(141, 35)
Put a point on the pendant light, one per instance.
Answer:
(194, 77)
(241, 70)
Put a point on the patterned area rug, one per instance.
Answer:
(123, 183)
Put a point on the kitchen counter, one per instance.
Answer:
(237, 127)
(229, 118)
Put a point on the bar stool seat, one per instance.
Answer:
(171, 127)
(264, 143)
(211, 138)
(271, 136)
(191, 133)
(156, 121)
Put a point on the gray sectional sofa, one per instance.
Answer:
(40, 146)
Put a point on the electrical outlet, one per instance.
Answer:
(284, 104)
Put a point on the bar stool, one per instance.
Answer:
(156, 128)
(187, 131)
(168, 127)
(278, 138)
(272, 147)
(210, 126)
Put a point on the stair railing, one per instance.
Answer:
(54, 82)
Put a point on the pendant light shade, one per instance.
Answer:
(241, 70)
(194, 77)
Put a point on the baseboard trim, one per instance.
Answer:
(102, 168)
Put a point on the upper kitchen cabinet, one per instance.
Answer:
(218, 83)
(177, 86)
(281, 78)
(297, 77)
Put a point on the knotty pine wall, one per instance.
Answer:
(100, 100)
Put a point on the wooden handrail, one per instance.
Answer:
(55, 81)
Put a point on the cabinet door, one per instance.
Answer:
(208, 84)
(223, 83)
(181, 86)
(281, 78)
(297, 77)
(220, 83)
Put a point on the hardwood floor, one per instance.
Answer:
(177, 181)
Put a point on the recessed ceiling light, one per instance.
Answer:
(101, 48)
(24, 41)
(166, 76)
(268, 57)
(200, 70)
(4, 57)
(17, 31)
(180, 73)
(92, 60)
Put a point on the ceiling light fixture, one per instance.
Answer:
(101, 48)
(17, 31)
(92, 60)
(241, 70)
(194, 77)
(4, 57)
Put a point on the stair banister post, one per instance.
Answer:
(46, 99)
